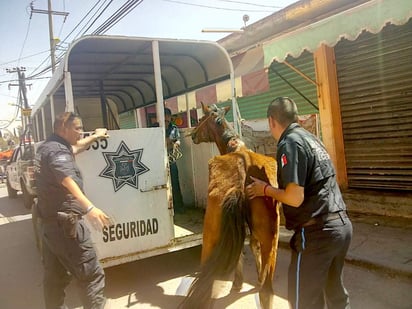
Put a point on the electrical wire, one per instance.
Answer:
(64, 19)
(253, 4)
(123, 11)
(25, 39)
(88, 13)
(88, 28)
(62, 42)
(34, 75)
(218, 8)
(26, 57)
(117, 16)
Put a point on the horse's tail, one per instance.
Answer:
(225, 255)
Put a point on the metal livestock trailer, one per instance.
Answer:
(127, 175)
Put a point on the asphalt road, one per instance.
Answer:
(153, 282)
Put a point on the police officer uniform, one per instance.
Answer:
(67, 248)
(172, 132)
(322, 229)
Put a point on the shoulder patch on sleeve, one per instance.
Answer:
(62, 158)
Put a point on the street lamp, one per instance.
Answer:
(220, 30)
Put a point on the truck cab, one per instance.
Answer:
(20, 173)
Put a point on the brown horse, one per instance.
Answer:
(229, 210)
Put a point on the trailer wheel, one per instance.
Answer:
(10, 191)
(27, 197)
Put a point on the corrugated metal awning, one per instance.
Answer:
(371, 16)
(122, 68)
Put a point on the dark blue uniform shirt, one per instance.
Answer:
(172, 132)
(55, 161)
(303, 160)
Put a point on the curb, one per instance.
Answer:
(375, 266)
(285, 235)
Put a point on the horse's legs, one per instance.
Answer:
(238, 281)
(265, 231)
(255, 247)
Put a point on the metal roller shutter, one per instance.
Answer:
(375, 88)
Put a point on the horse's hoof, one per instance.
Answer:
(236, 288)
(265, 300)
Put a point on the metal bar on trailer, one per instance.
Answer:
(103, 106)
(235, 107)
(236, 112)
(53, 115)
(37, 126)
(189, 122)
(158, 82)
(44, 122)
(139, 122)
(68, 91)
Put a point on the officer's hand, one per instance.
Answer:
(101, 133)
(256, 188)
(98, 219)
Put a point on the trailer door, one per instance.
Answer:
(127, 177)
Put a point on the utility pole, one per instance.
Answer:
(23, 103)
(50, 13)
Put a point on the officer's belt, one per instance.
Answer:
(54, 219)
(322, 219)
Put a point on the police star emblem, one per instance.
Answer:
(124, 166)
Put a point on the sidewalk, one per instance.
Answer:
(378, 243)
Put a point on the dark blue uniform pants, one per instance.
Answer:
(176, 192)
(77, 256)
(315, 271)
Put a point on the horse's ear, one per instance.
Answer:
(227, 108)
(205, 108)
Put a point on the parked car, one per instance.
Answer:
(20, 173)
(2, 171)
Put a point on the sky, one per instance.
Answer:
(25, 36)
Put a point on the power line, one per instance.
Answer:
(64, 20)
(24, 41)
(218, 8)
(87, 14)
(63, 41)
(100, 14)
(253, 4)
(117, 16)
(26, 57)
(38, 67)
(33, 73)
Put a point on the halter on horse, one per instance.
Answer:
(228, 209)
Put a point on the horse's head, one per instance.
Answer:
(213, 127)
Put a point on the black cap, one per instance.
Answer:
(168, 111)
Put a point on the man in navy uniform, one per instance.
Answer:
(313, 208)
(173, 142)
(62, 204)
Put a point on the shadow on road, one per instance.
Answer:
(10, 207)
